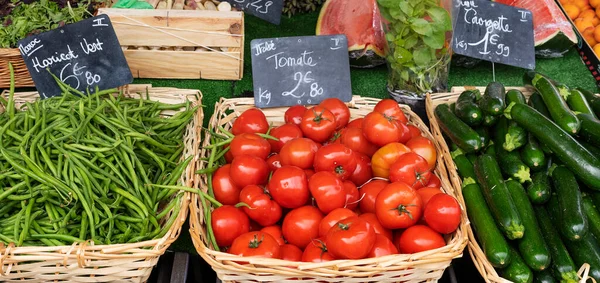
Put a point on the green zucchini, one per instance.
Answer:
(532, 246)
(490, 238)
(463, 165)
(590, 129)
(587, 251)
(564, 146)
(563, 266)
(467, 109)
(532, 154)
(592, 214)
(517, 271)
(516, 96)
(530, 75)
(510, 162)
(498, 197)
(537, 102)
(579, 104)
(544, 276)
(490, 150)
(472, 157)
(595, 197)
(592, 99)
(484, 134)
(516, 137)
(594, 150)
(559, 111)
(460, 133)
(489, 120)
(539, 190)
(492, 101)
(572, 221)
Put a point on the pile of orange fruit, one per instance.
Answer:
(586, 16)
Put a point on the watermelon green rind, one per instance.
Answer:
(362, 54)
(554, 46)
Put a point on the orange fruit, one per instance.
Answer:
(587, 14)
(595, 21)
(597, 49)
(564, 2)
(597, 34)
(588, 35)
(582, 24)
(594, 3)
(573, 11)
(581, 3)
(598, 12)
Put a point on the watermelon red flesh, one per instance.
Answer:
(552, 29)
(360, 21)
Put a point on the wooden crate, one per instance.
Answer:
(181, 44)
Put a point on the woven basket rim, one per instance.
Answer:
(87, 250)
(219, 260)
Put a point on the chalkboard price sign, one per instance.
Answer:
(300, 70)
(84, 55)
(494, 32)
(268, 10)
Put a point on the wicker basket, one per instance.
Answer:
(22, 76)
(105, 263)
(420, 267)
(480, 261)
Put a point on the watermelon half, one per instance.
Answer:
(553, 33)
(360, 21)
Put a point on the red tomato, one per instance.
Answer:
(316, 251)
(351, 195)
(404, 133)
(309, 173)
(398, 206)
(442, 213)
(274, 162)
(427, 193)
(425, 148)
(252, 120)
(356, 123)
(412, 169)
(327, 190)
(226, 192)
(289, 187)
(250, 144)
(294, 114)
(228, 222)
(363, 171)
(355, 140)
(368, 194)
(420, 238)
(350, 238)
(259, 244)
(371, 218)
(299, 152)
(337, 159)
(381, 130)
(385, 157)
(249, 170)
(291, 252)
(263, 209)
(228, 155)
(284, 133)
(434, 182)
(390, 108)
(414, 131)
(301, 225)
(318, 124)
(339, 110)
(332, 218)
(383, 246)
(275, 231)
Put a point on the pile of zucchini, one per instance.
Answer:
(530, 170)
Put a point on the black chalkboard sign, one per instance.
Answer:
(84, 55)
(268, 10)
(300, 70)
(494, 32)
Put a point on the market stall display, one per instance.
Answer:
(526, 167)
(87, 181)
(413, 264)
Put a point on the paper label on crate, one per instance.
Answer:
(493, 32)
(268, 10)
(300, 70)
(85, 55)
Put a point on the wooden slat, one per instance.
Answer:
(193, 26)
(182, 64)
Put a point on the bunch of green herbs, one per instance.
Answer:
(418, 51)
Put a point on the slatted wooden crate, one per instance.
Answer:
(181, 44)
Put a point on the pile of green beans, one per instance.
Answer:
(79, 167)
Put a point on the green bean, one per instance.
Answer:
(63, 237)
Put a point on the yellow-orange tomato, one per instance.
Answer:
(385, 157)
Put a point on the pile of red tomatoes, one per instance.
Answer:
(322, 187)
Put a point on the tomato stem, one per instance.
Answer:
(404, 209)
(343, 226)
(339, 170)
(319, 117)
(255, 243)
